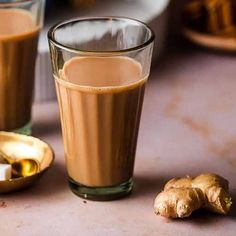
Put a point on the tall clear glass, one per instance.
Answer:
(100, 66)
(20, 24)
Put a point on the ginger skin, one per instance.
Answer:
(182, 196)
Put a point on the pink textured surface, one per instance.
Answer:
(188, 127)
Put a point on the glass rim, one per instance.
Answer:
(52, 39)
(20, 2)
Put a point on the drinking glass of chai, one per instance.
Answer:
(20, 23)
(100, 66)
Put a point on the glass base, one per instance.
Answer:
(26, 129)
(101, 193)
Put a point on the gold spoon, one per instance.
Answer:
(22, 167)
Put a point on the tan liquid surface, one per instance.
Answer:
(18, 50)
(100, 102)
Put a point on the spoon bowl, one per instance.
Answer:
(21, 167)
(24, 167)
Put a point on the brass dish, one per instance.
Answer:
(211, 24)
(18, 147)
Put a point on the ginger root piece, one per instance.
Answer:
(182, 196)
(179, 202)
(216, 189)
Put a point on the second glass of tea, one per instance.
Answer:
(20, 24)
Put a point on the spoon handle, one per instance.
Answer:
(5, 158)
